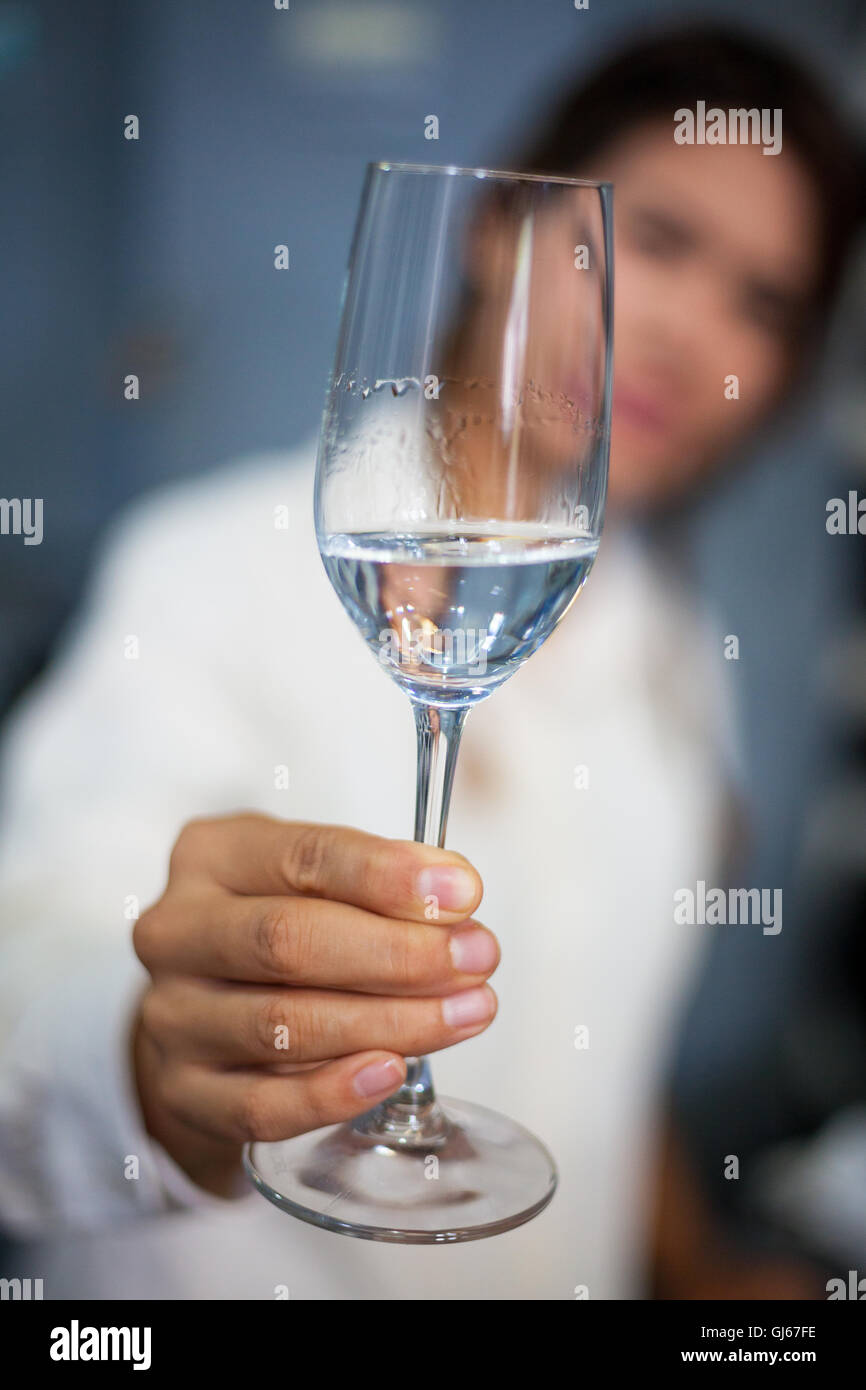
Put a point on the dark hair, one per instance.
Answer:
(667, 69)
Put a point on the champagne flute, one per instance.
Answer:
(460, 489)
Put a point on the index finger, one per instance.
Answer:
(258, 854)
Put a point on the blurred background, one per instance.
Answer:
(155, 256)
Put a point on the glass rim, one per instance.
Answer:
(482, 172)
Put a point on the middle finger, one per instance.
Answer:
(310, 941)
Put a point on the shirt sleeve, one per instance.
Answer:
(74, 1152)
(137, 725)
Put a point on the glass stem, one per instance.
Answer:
(412, 1116)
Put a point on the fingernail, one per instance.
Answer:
(378, 1077)
(452, 887)
(472, 1006)
(473, 950)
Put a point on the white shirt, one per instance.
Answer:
(246, 661)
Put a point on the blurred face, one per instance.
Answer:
(716, 255)
(716, 258)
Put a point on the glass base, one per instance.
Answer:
(483, 1175)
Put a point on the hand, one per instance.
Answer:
(293, 967)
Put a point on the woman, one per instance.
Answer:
(726, 262)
